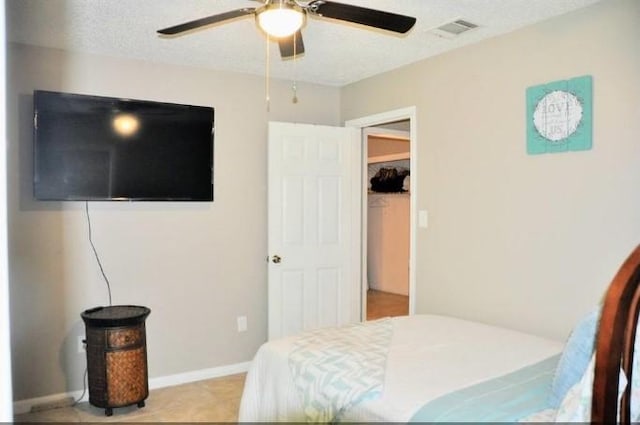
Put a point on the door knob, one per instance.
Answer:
(276, 259)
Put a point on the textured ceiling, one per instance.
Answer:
(336, 53)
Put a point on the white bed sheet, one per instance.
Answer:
(429, 356)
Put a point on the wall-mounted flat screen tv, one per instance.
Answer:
(100, 148)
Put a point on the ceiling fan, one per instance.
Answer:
(283, 20)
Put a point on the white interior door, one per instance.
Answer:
(314, 227)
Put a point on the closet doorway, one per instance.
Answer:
(387, 217)
(388, 122)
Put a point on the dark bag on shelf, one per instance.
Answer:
(388, 180)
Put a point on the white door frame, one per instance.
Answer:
(369, 121)
(6, 398)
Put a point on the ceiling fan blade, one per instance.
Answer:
(286, 46)
(214, 19)
(362, 15)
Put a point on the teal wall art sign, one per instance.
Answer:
(560, 116)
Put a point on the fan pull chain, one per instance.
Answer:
(295, 70)
(266, 82)
(295, 93)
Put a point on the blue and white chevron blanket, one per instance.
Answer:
(335, 369)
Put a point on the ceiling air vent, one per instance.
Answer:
(453, 29)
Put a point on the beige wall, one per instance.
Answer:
(524, 241)
(196, 265)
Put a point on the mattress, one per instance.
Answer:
(428, 357)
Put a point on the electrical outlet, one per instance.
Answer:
(81, 344)
(242, 323)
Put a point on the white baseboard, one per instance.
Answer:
(25, 406)
(198, 375)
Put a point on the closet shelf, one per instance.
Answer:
(390, 157)
(371, 192)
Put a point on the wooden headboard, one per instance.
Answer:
(615, 342)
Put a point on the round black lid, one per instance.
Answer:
(116, 315)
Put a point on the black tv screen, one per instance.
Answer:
(100, 148)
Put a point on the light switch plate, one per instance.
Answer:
(423, 219)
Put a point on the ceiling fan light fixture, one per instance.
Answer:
(280, 19)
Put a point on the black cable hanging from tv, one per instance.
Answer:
(95, 252)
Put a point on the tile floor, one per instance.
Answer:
(383, 304)
(213, 400)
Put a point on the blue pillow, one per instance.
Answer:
(575, 357)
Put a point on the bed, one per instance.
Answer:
(429, 368)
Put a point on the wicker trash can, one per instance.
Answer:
(116, 356)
